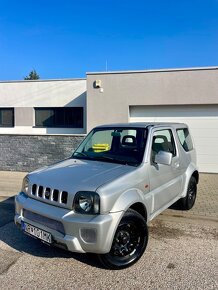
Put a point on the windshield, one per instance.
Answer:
(118, 145)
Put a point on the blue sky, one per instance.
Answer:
(66, 39)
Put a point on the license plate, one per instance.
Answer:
(36, 232)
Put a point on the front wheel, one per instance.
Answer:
(129, 242)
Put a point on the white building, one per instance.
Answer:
(48, 109)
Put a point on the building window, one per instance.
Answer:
(6, 117)
(59, 117)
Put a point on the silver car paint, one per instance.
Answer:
(73, 175)
(119, 187)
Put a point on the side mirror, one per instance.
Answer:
(163, 157)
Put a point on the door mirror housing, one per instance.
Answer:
(163, 157)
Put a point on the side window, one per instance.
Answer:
(163, 141)
(185, 139)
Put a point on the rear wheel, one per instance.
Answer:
(129, 242)
(188, 201)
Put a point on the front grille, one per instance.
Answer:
(48, 193)
(50, 223)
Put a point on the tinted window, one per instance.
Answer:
(59, 117)
(163, 141)
(185, 139)
(6, 117)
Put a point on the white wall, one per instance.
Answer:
(110, 104)
(23, 96)
(50, 93)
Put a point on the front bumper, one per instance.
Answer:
(82, 233)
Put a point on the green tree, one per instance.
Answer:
(32, 75)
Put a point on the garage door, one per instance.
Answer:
(203, 124)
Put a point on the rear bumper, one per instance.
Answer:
(80, 233)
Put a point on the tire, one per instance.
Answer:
(188, 201)
(129, 243)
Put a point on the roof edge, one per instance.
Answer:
(139, 124)
(154, 70)
(42, 80)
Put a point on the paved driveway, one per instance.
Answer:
(182, 253)
(206, 205)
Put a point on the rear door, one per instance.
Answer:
(165, 180)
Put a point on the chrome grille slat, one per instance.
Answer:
(37, 190)
(51, 195)
(43, 192)
(59, 196)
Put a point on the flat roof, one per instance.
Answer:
(115, 72)
(154, 70)
(42, 80)
(139, 124)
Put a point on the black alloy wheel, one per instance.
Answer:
(188, 201)
(129, 242)
(191, 193)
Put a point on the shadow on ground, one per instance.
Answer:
(6, 211)
(14, 238)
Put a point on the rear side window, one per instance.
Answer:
(185, 139)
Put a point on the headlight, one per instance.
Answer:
(87, 202)
(25, 185)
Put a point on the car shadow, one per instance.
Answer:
(15, 239)
(6, 211)
(176, 206)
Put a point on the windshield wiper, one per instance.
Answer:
(80, 153)
(122, 161)
(102, 158)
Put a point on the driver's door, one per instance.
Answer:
(165, 180)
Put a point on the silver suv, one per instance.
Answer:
(100, 200)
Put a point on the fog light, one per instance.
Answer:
(89, 235)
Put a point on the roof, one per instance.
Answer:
(141, 125)
(43, 80)
(154, 70)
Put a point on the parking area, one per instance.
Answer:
(206, 205)
(182, 253)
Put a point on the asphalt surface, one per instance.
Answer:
(206, 205)
(182, 253)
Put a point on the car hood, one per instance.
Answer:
(74, 175)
